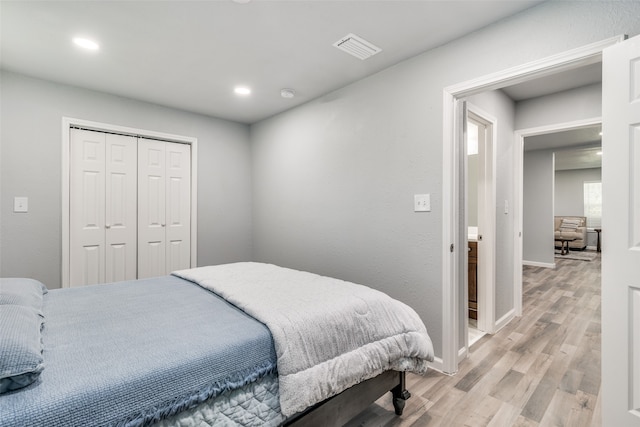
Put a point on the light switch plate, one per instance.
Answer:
(422, 202)
(21, 204)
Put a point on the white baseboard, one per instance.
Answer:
(437, 365)
(504, 320)
(462, 354)
(591, 248)
(539, 264)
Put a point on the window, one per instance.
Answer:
(593, 203)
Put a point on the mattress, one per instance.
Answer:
(253, 405)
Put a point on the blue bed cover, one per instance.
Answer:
(130, 353)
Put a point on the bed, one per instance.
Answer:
(242, 344)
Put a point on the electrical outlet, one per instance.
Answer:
(422, 202)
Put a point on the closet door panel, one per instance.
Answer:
(121, 207)
(175, 256)
(86, 210)
(178, 206)
(153, 254)
(151, 208)
(91, 271)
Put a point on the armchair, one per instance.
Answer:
(571, 226)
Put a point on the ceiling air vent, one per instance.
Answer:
(356, 46)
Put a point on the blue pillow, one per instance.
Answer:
(26, 292)
(21, 323)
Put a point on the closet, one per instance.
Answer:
(129, 207)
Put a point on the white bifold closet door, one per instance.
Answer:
(103, 217)
(130, 207)
(164, 207)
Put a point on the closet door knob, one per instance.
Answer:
(162, 225)
(107, 226)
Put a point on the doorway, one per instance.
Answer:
(454, 216)
(571, 151)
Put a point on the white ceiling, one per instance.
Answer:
(578, 158)
(190, 54)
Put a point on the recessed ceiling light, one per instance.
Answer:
(599, 153)
(86, 43)
(242, 90)
(287, 93)
(241, 1)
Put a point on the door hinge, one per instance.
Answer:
(451, 248)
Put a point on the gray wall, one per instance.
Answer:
(30, 159)
(334, 179)
(562, 107)
(537, 217)
(569, 193)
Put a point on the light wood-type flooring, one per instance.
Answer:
(542, 369)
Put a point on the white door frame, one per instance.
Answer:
(486, 222)
(518, 180)
(452, 213)
(67, 124)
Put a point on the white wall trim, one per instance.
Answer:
(541, 130)
(463, 352)
(504, 320)
(563, 61)
(67, 124)
(437, 365)
(538, 264)
(449, 237)
(581, 56)
(518, 198)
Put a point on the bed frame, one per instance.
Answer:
(339, 409)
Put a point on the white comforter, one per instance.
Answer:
(328, 334)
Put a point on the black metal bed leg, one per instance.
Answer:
(400, 394)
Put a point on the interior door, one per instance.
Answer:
(151, 208)
(164, 207)
(178, 206)
(121, 215)
(86, 210)
(621, 235)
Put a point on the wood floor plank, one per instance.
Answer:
(506, 387)
(542, 369)
(557, 413)
(583, 409)
(505, 416)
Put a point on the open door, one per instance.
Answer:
(621, 234)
